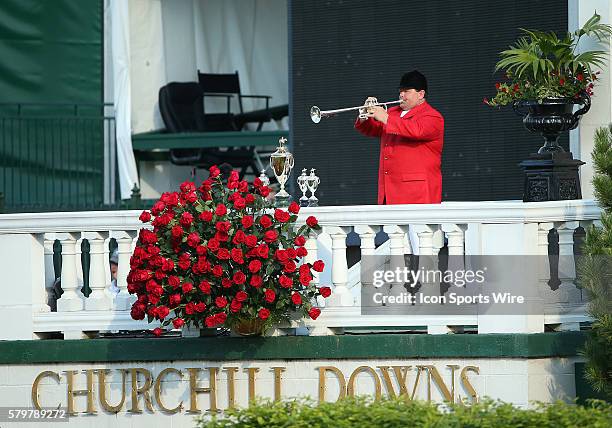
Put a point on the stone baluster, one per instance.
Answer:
(71, 299)
(456, 251)
(341, 296)
(312, 256)
(568, 292)
(48, 242)
(99, 299)
(368, 263)
(397, 263)
(124, 300)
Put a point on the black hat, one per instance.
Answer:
(413, 80)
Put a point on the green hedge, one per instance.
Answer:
(362, 412)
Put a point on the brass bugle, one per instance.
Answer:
(316, 114)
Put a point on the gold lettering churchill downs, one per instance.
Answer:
(212, 389)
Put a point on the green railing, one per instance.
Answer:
(57, 157)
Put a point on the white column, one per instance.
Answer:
(124, 300)
(22, 267)
(367, 236)
(70, 300)
(568, 293)
(341, 294)
(600, 114)
(98, 300)
(397, 238)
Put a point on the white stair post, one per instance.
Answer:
(71, 300)
(99, 299)
(123, 299)
(341, 295)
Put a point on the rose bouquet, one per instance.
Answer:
(220, 256)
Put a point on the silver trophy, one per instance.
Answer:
(313, 182)
(281, 162)
(302, 182)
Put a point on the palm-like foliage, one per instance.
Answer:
(544, 65)
(541, 55)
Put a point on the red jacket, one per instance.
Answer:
(410, 155)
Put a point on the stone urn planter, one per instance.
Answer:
(552, 173)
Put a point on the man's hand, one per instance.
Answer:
(363, 112)
(379, 113)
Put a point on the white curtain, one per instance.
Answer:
(249, 36)
(120, 45)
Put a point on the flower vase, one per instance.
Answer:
(249, 327)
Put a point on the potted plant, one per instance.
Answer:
(547, 77)
(220, 256)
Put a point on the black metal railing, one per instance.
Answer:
(57, 157)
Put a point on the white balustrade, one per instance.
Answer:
(495, 228)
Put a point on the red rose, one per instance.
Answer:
(204, 287)
(214, 171)
(223, 226)
(174, 281)
(213, 244)
(200, 307)
(243, 186)
(304, 270)
(256, 281)
(210, 322)
(250, 241)
(264, 191)
(239, 278)
(221, 302)
(262, 251)
(325, 291)
(157, 331)
(305, 279)
(299, 240)
(312, 221)
(285, 281)
(270, 236)
(269, 296)
(186, 219)
(221, 210)
(158, 207)
(291, 253)
(318, 266)
(314, 313)
(193, 239)
(294, 208)
(221, 317)
(177, 232)
(217, 271)
(247, 221)
(162, 312)
(178, 322)
(145, 216)
(233, 176)
(241, 296)
(206, 216)
(265, 221)
(187, 186)
(301, 252)
(296, 299)
(239, 237)
(257, 182)
(561, 81)
(226, 283)
(201, 250)
(174, 300)
(281, 216)
(239, 203)
(263, 313)
(237, 255)
(223, 254)
(254, 266)
(222, 236)
(235, 306)
(190, 308)
(281, 255)
(249, 199)
(187, 287)
(289, 266)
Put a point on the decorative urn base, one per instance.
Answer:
(551, 177)
(249, 327)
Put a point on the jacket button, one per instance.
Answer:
(386, 172)
(386, 158)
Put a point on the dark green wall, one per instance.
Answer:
(51, 51)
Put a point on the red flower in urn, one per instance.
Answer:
(219, 255)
